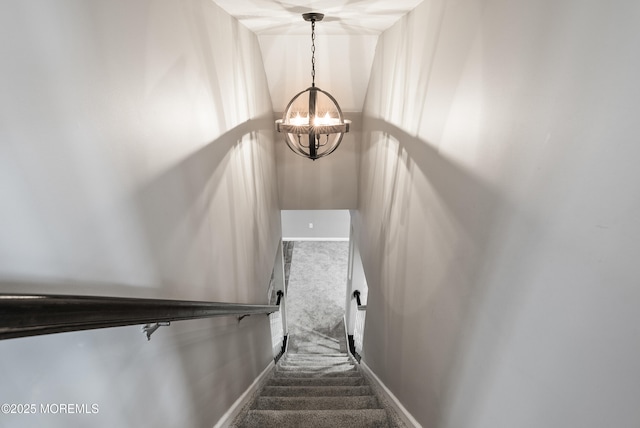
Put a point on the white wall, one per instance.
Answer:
(343, 64)
(498, 213)
(329, 183)
(327, 224)
(136, 159)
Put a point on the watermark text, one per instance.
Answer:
(50, 408)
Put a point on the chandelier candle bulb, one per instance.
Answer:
(299, 120)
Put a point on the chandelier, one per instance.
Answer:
(313, 122)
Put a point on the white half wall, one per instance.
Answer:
(498, 214)
(137, 160)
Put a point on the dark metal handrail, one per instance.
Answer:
(24, 315)
(285, 337)
(361, 307)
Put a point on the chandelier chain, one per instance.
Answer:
(313, 52)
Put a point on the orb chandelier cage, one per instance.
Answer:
(313, 122)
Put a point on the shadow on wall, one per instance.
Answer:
(471, 201)
(185, 197)
(434, 231)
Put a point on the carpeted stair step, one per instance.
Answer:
(370, 418)
(315, 391)
(305, 373)
(296, 365)
(316, 403)
(316, 369)
(317, 357)
(316, 362)
(319, 354)
(316, 381)
(338, 358)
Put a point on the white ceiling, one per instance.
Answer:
(277, 17)
(345, 43)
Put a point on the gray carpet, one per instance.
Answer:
(315, 391)
(316, 297)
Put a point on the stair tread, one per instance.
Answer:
(316, 418)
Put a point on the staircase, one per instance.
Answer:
(315, 391)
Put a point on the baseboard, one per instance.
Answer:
(391, 399)
(245, 399)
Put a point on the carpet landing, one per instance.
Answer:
(316, 297)
(315, 391)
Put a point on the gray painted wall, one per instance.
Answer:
(329, 183)
(136, 159)
(498, 213)
(330, 224)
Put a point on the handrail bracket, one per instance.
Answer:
(149, 329)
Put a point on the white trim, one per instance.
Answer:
(230, 415)
(403, 413)
(315, 239)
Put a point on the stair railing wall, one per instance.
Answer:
(356, 340)
(358, 333)
(357, 290)
(278, 322)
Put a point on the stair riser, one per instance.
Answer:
(316, 403)
(323, 360)
(316, 365)
(313, 365)
(327, 381)
(316, 370)
(317, 357)
(315, 391)
(318, 354)
(303, 374)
